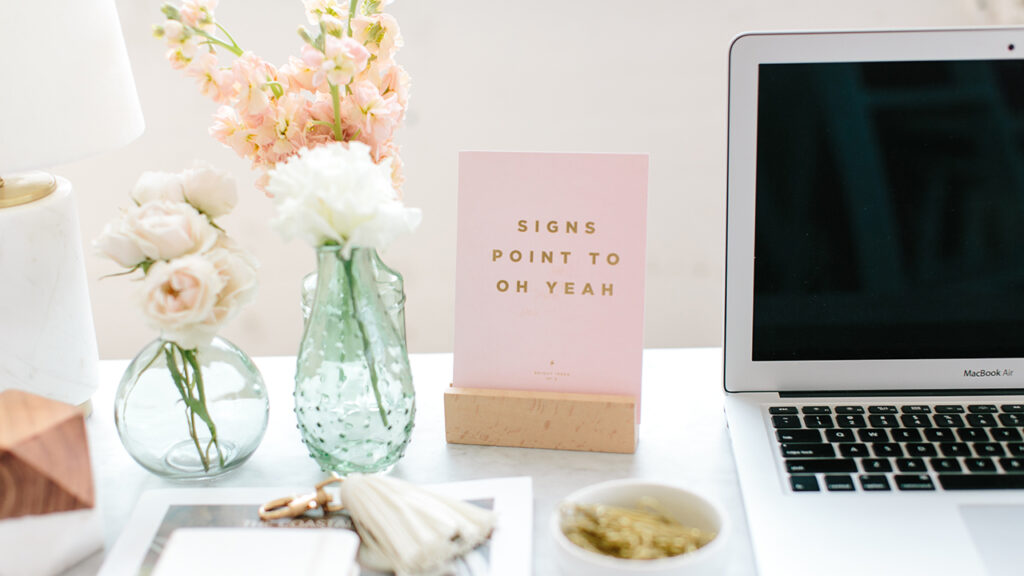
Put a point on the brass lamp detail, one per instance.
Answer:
(26, 187)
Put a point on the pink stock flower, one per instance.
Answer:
(379, 33)
(214, 81)
(371, 114)
(395, 81)
(299, 73)
(343, 58)
(251, 75)
(198, 13)
(229, 129)
(283, 132)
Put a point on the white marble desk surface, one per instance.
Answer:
(683, 440)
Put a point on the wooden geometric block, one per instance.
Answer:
(44, 456)
(536, 419)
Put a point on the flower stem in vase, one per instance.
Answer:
(190, 356)
(370, 361)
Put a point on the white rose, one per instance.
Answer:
(119, 245)
(335, 194)
(165, 230)
(155, 186)
(237, 270)
(178, 298)
(211, 191)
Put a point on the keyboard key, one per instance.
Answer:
(823, 421)
(782, 410)
(884, 421)
(982, 409)
(981, 481)
(1012, 465)
(811, 436)
(886, 450)
(972, 434)
(804, 483)
(873, 435)
(876, 465)
(988, 449)
(873, 482)
(906, 435)
(1013, 408)
(919, 450)
(1013, 419)
(837, 435)
(808, 450)
(952, 449)
(882, 410)
(807, 466)
(857, 450)
(851, 421)
(786, 422)
(980, 464)
(981, 420)
(1015, 448)
(1005, 435)
(910, 465)
(849, 409)
(939, 435)
(838, 482)
(816, 410)
(945, 464)
(916, 420)
(916, 409)
(948, 420)
(947, 409)
(913, 482)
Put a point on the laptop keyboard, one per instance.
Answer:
(901, 447)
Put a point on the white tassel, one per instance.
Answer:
(408, 529)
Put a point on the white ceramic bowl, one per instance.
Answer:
(686, 507)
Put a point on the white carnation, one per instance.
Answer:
(335, 194)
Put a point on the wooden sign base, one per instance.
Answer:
(534, 419)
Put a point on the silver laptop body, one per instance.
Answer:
(875, 262)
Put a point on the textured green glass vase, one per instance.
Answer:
(354, 398)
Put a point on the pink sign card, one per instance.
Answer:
(550, 272)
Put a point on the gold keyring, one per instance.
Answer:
(295, 506)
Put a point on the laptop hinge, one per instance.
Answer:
(861, 393)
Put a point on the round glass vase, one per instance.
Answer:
(354, 399)
(191, 414)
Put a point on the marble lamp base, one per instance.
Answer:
(47, 339)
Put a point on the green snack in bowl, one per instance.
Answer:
(640, 533)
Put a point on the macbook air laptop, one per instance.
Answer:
(874, 330)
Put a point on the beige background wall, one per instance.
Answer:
(577, 75)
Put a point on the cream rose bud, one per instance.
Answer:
(117, 244)
(155, 186)
(211, 191)
(178, 298)
(165, 230)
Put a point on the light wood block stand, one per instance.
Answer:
(535, 419)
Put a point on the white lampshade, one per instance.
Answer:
(68, 91)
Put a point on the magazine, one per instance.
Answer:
(160, 512)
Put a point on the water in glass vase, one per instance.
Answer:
(354, 399)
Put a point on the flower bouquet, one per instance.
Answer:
(194, 279)
(320, 129)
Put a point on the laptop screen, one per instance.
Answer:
(889, 211)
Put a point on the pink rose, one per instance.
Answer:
(178, 298)
(209, 190)
(156, 186)
(118, 244)
(165, 230)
